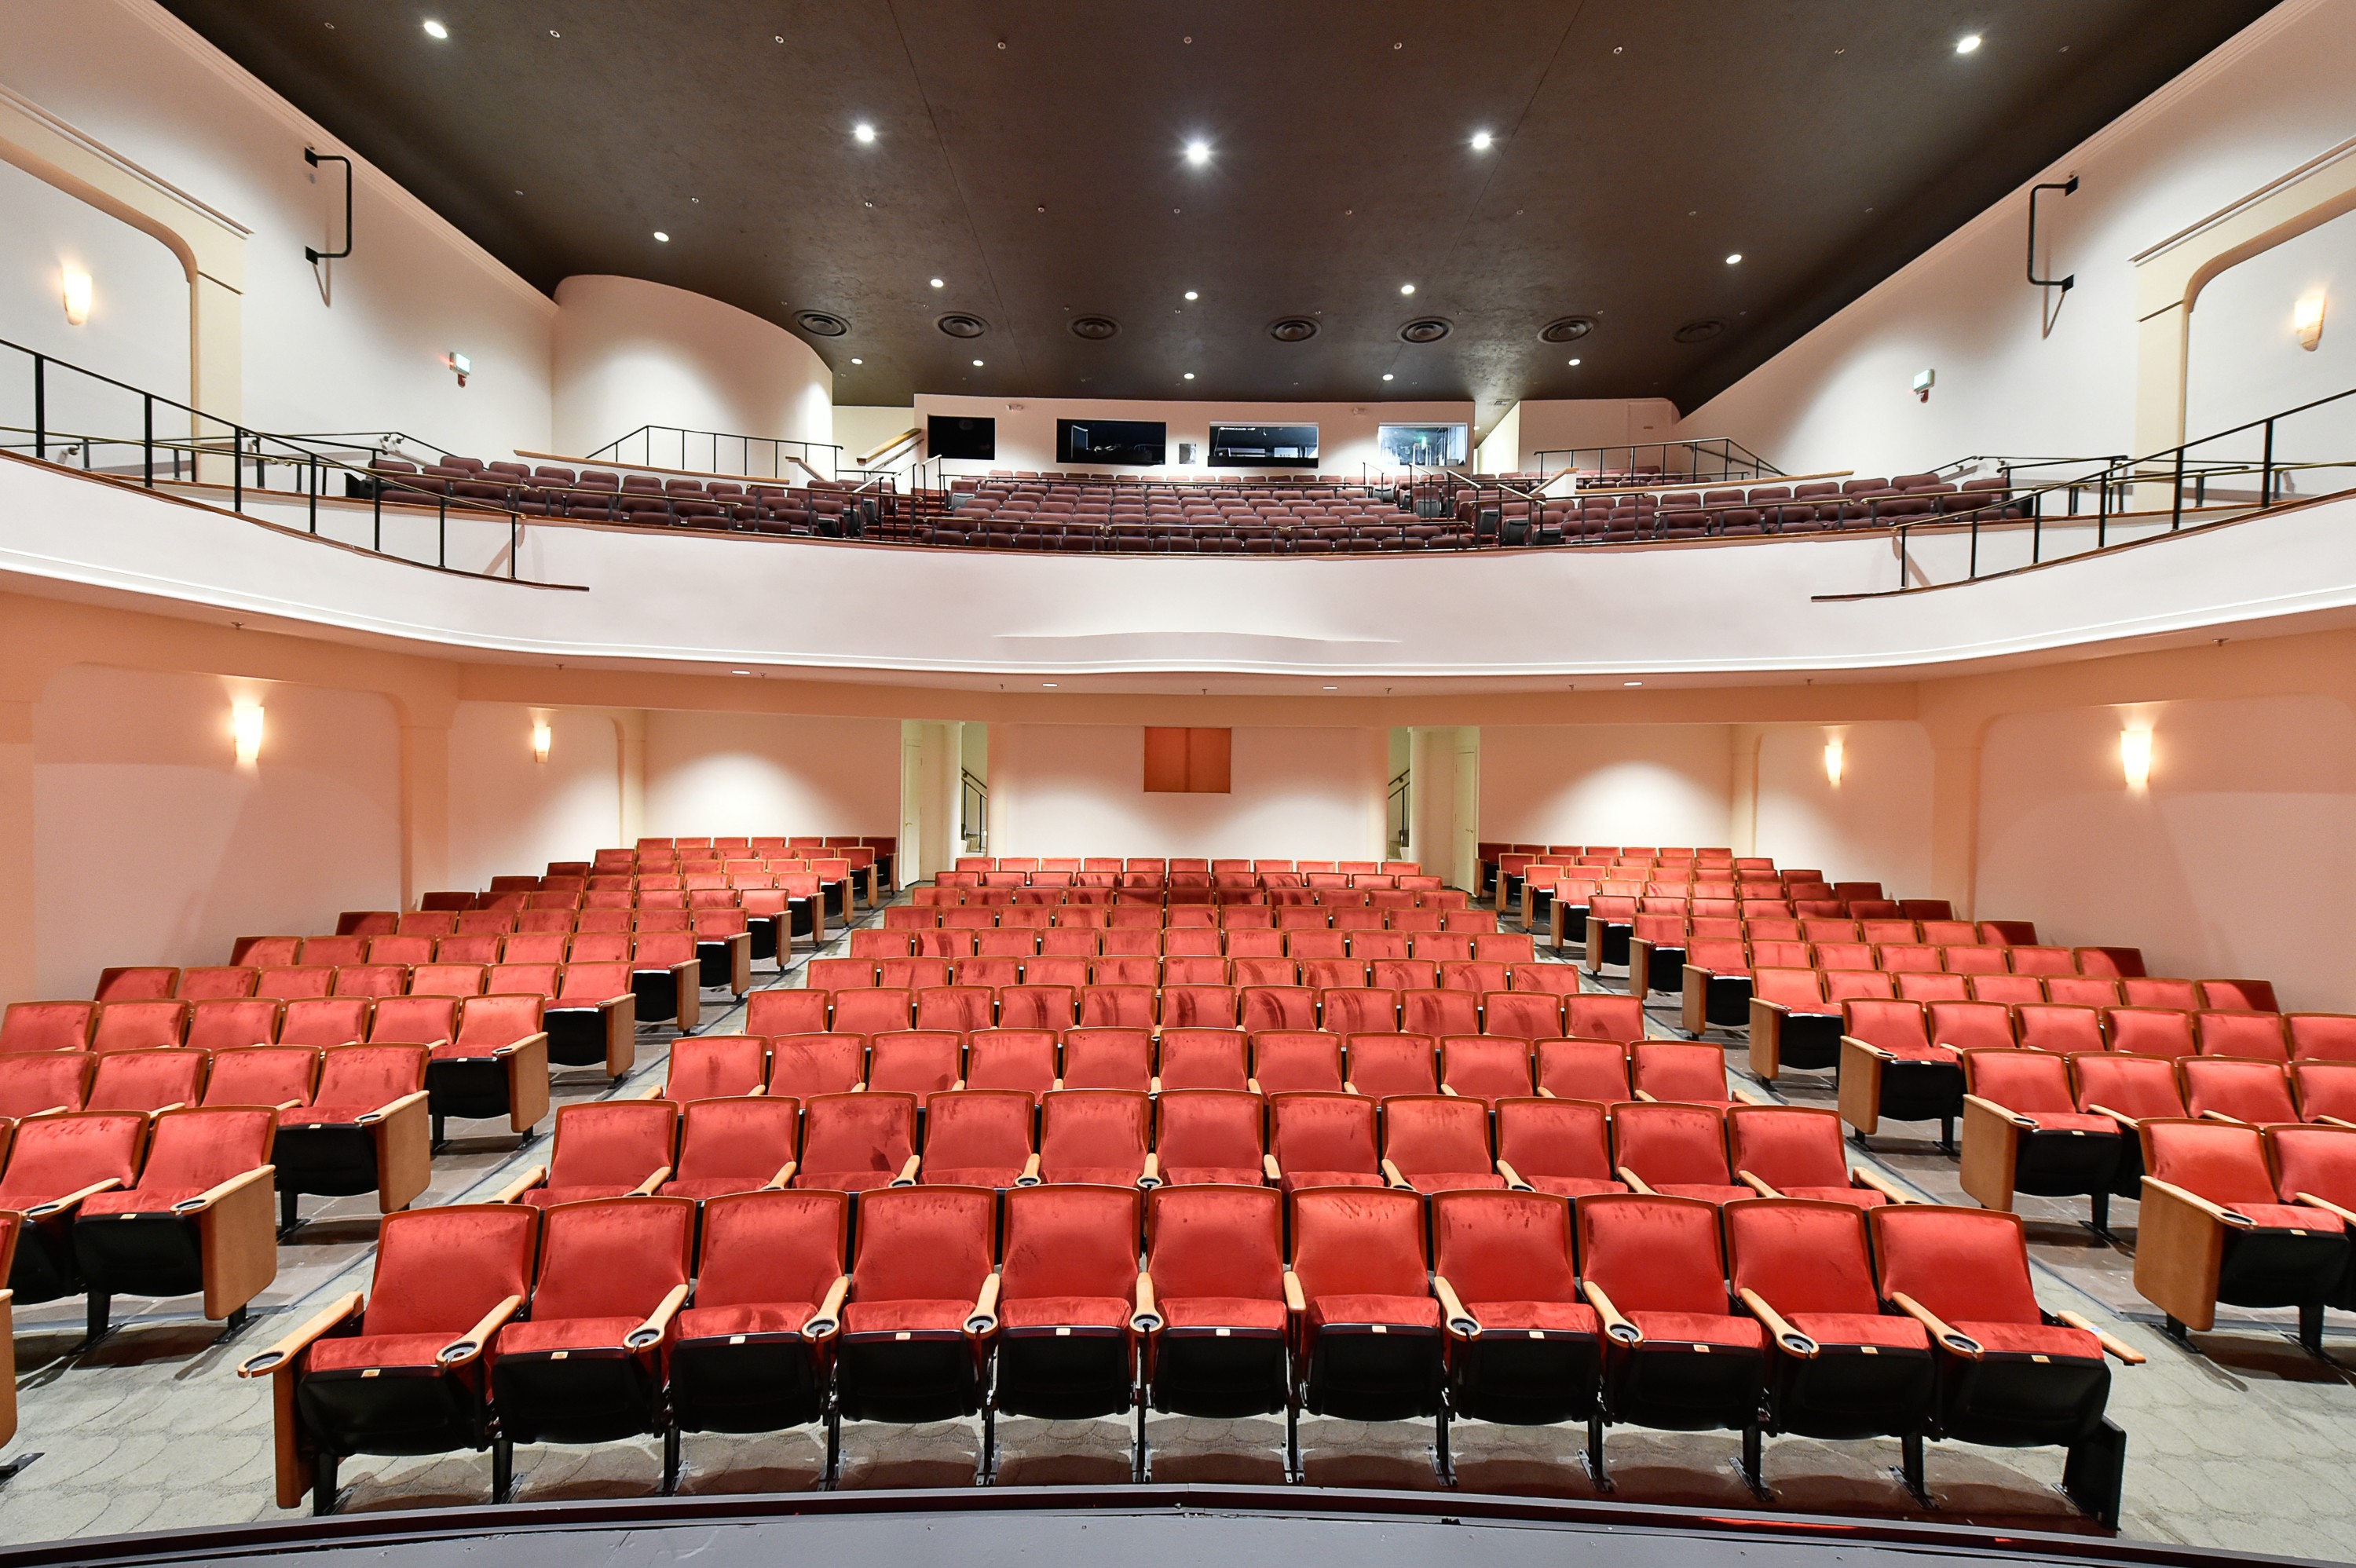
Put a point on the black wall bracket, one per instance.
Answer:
(2067, 187)
(315, 159)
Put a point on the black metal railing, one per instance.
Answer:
(60, 412)
(973, 812)
(1691, 462)
(719, 451)
(1400, 822)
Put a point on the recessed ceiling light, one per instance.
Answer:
(1192, 296)
(1386, 375)
(1730, 261)
(1632, 683)
(858, 361)
(1198, 152)
(977, 364)
(936, 282)
(1480, 141)
(436, 30)
(661, 236)
(740, 672)
(1048, 684)
(1407, 288)
(863, 132)
(555, 34)
(1190, 375)
(1967, 43)
(1574, 361)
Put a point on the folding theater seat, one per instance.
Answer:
(2009, 1375)
(1296, 1062)
(2239, 996)
(754, 1350)
(57, 1163)
(223, 984)
(1098, 1136)
(1595, 1017)
(1202, 1059)
(1558, 1147)
(731, 1145)
(2255, 1036)
(1216, 1341)
(1323, 1140)
(445, 1280)
(1971, 1025)
(1365, 1327)
(1679, 1071)
(147, 1080)
(1021, 1059)
(47, 1026)
(1795, 1151)
(1485, 1068)
(586, 1365)
(1676, 1356)
(1678, 1151)
(141, 983)
(2326, 1089)
(145, 1025)
(1073, 1308)
(784, 1012)
(1523, 1348)
(493, 1063)
(804, 1065)
(605, 1148)
(979, 1137)
(363, 1128)
(1107, 1059)
(35, 1082)
(2213, 1228)
(2321, 1037)
(2255, 1094)
(922, 1307)
(1381, 1065)
(1437, 1143)
(1790, 1023)
(1211, 1137)
(1890, 1068)
(2058, 1028)
(197, 1220)
(915, 1061)
(593, 1020)
(2024, 1131)
(1594, 1069)
(1837, 1366)
(666, 977)
(708, 1067)
(1715, 986)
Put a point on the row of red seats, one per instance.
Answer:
(869, 1009)
(1434, 937)
(1312, 974)
(1368, 916)
(1026, 865)
(597, 1320)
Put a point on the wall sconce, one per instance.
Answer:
(2305, 319)
(460, 366)
(1924, 381)
(245, 728)
(77, 291)
(2135, 757)
(541, 736)
(1834, 756)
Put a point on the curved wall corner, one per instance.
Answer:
(631, 353)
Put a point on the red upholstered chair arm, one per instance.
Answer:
(287, 1353)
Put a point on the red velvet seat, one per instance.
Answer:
(2316, 1166)
(1118, 1007)
(2321, 1037)
(47, 1026)
(35, 1082)
(147, 1080)
(1485, 1068)
(915, 1061)
(1323, 1140)
(2149, 1031)
(2213, 1228)
(605, 1148)
(1437, 1143)
(804, 1066)
(2025, 1132)
(1202, 1059)
(2257, 1093)
(1890, 1068)
(1096, 1135)
(921, 1305)
(1381, 1065)
(741, 1145)
(199, 1219)
(1687, 1073)
(493, 1062)
(2327, 1092)
(445, 1279)
(1210, 1136)
(1675, 1149)
(1021, 1059)
(1365, 1327)
(781, 1012)
(1214, 1255)
(1523, 1347)
(857, 1143)
(1107, 1059)
(139, 1026)
(1593, 1070)
(56, 1164)
(1558, 1147)
(148, 983)
(1795, 1151)
(1971, 1026)
(1297, 1061)
(1524, 1016)
(586, 1366)
(753, 1352)
(979, 1137)
(712, 1066)
(1070, 1295)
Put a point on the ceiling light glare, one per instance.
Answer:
(977, 364)
(1192, 296)
(1049, 685)
(1198, 152)
(1734, 259)
(1481, 141)
(937, 284)
(661, 236)
(436, 30)
(856, 360)
(1574, 361)
(1407, 288)
(1632, 683)
(1967, 43)
(863, 132)
(1190, 375)
(1386, 375)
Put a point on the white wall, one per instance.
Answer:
(1078, 789)
(138, 326)
(1346, 431)
(771, 772)
(1606, 784)
(2244, 361)
(1874, 826)
(630, 353)
(511, 814)
(153, 847)
(2257, 108)
(1553, 424)
(356, 345)
(2238, 859)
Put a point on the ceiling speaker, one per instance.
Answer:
(957, 324)
(1095, 328)
(1699, 331)
(1569, 329)
(819, 325)
(1425, 329)
(1292, 329)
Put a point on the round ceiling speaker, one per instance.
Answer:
(1095, 328)
(1292, 329)
(1425, 329)
(819, 325)
(1699, 331)
(1569, 329)
(957, 324)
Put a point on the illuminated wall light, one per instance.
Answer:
(1834, 757)
(77, 291)
(245, 729)
(540, 737)
(2305, 319)
(2135, 757)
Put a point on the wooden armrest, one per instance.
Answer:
(785, 1174)
(1461, 1323)
(652, 1184)
(650, 1332)
(2006, 1111)
(1635, 1182)
(2126, 1354)
(1756, 1185)
(1270, 1169)
(830, 1311)
(1859, 1176)
(1448, 1092)
(1748, 1096)
(907, 1177)
(656, 1091)
(2217, 1211)
(1152, 1175)
(381, 1112)
(2334, 1122)
(2123, 1120)
(282, 1355)
(1960, 1343)
(475, 1340)
(514, 1190)
(1793, 1341)
(1391, 1176)
(1617, 1327)
(1648, 1097)
(1870, 1049)
(204, 1200)
(60, 1205)
(1253, 1084)
(1514, 1177)
(1030, 1176)
(1144, 1319)
(1546, 1094)
(2347, 1216)
(2216, 1115)
(1348, 1087)
(1294, 1300)
(983, 1319)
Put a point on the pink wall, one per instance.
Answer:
(1875, 826)
(2239, 860)
(511, 815)
(1078, 789)
(1606, 784)
(153, 845)
(768, 773)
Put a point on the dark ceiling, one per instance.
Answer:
(1031, 155)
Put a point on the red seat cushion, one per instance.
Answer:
(2269, 1216)
(763, 1318)
(1294, 1180)
(542, 1196)
(155, 1200)
(1862, 1328)
(976, 1176)
(2033, 1339)
(1560, 1317)
(1573, 1186)
(1700, 1328)
(1063, 1311)
(324, 1116)
(843, 1181)
(565, 1334)
(1403, 1311)
(1863, 1196)
(912, 1317)
(1454, 1180)
(461, 1050)
(1220, 1312)
(2063, 1122)
(1098, 1176)
(362, 1350)
(1706, 1192)
(1211, 1175)
(702, 1187)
